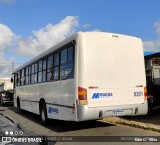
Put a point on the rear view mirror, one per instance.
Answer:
(11, 80)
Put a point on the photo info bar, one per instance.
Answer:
(39, 139)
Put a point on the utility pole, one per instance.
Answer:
(12, 66)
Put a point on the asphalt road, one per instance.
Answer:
(31, 123)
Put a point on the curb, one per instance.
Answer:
(131, 123)
(11, 120)
(8, 118)
(138, 125)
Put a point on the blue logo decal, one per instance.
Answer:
(52, 110)
(138, 94)
(102, 95)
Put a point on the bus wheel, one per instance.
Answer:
(18, 103)
(43, 114)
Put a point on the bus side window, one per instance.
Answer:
(19, 78)
(50, 68)
(56, 67)
(29, 75)
(64, 56)
(66, 68)
(26, 75)
(32, 74)
(40, 71)
(44, 70)
(70, 54)
(23, 77)
(70, 60)
(35, 72)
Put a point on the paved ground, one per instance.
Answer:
(147, 122)
(150, 121)
(105, 127)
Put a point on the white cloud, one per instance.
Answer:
(85, 26)
(5, 66)
(153, 46)
(6, 37)
(47, 36)
(39, 41)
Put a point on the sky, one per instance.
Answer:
(28, 27)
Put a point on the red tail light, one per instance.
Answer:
(145, 93)
(82, 96)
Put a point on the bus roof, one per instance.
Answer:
(65, 41)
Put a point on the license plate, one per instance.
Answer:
(118, 112)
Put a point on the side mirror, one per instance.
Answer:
(11, 80)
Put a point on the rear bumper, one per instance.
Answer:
(86, 113)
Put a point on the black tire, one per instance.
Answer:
(1, 102)
(18, 104)
(43, 114)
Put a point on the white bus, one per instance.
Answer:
(88, 76)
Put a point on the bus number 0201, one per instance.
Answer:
(137, 94)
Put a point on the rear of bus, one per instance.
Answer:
(110, 76)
